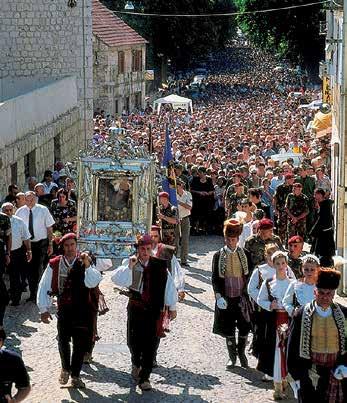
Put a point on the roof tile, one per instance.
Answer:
(112, 30)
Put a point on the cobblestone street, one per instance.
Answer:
(191, 359)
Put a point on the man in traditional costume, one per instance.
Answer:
(70, 277)
(229, 280)
(151, 287)
(316, 354)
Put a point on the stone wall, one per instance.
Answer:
(42, 144)
(109, 86)
(48, 39)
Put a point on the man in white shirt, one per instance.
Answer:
(278, 179)
(185, 204)
(69, 277)
(39, 222)
(19, 256)
(151, 288)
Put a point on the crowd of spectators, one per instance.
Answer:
(248, 112)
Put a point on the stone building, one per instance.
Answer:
(119, 55)
(46, 85)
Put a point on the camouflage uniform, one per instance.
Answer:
(297, 205)
(280, 197)
(296, 264)
(308, 187)
(255, 248)
(231, 201)
(167, 229)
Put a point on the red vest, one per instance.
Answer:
(54, 263)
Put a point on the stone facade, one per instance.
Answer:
(45, 38)
(114, 91)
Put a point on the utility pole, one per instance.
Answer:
(341, 210)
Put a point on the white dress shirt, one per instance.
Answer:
(177, 272)
(20, 232)
(186, 198)
(92, 278)
(123, 277)
(49, 186)
(42, 219)
(246, 233)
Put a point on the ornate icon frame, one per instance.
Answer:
(113, 239)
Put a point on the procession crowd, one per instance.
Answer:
(246, 167)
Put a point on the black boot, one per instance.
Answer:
(241, 346)
(231, 345)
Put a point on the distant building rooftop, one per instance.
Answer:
(112, 30)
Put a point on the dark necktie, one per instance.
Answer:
(31, 224)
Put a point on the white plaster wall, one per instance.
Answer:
(14, 87)
(26, 113)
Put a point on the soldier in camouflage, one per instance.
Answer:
(297, 208)
(255, 244)
(168, 218)
(233, 195)
(295, 253)
(308, 186)
(280, 198)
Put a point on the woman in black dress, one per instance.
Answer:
(322, 232)
(202, 190)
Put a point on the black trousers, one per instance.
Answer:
(142, 339)
(308, 393)
(16, 271)
(4, 298)
(80, 335)
(35, 267)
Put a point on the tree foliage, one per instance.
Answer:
(182, 40)
(291, 33)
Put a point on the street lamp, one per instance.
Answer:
(129, 6)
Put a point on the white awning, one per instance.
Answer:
(176, 101)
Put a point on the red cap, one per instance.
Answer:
(68, 236)
(295, 239)
(288, 176)
(164, 194)
(144, 240)
(265, 223)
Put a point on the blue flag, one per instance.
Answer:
(169, 181)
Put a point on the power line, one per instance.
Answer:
(269, 10)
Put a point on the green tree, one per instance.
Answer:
(180, 39)
(291, 33)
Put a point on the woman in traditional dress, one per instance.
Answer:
(301, 291)
(270, 298)
(260, 274)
